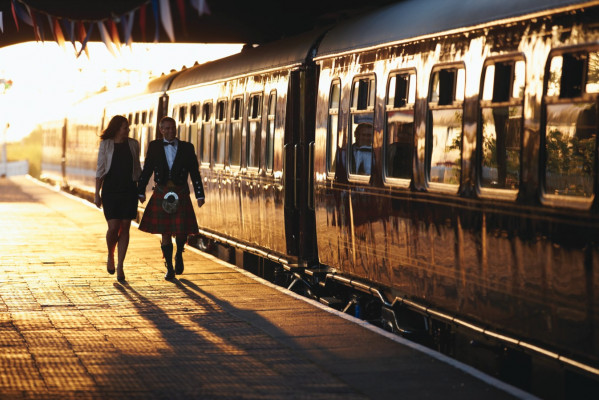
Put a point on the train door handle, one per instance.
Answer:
(295, 199)
(311, 175)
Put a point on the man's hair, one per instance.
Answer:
(167, 119)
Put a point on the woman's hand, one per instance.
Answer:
(97, 200)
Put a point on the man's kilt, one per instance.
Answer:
(156, 220)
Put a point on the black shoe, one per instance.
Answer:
(179, 267)
(170, 274)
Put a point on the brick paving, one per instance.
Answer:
(68, 330)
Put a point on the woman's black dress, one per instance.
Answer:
(119, 191)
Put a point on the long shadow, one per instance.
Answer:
(217, 357)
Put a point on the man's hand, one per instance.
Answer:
(97, 200)
(201, 202)
(142, 198)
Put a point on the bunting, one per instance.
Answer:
(51, 27)
(127, 22)
(106, 38)
(114, 34)
(201, 6)
(156, 11)
(84, 38)
(167, 21)
(14, 14)
(181, 7)
(58, 33)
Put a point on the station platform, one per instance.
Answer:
(69, 330)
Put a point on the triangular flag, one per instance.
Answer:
(127, 22)
(14, 14)
(181, 7)
(106, 38)
(58, 33)
(71, 30)
(201, 6)
(51, 25)
(84, 38)
(36, 29)
(156, 23)
(114, 34)
(167, 21)
(22, 13)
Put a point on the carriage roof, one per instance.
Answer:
(411, 19)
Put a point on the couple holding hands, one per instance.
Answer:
(121, 183)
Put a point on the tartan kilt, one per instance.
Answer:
(156, 220)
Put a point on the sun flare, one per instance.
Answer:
(47, 79)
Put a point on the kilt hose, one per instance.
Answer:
(181, 222)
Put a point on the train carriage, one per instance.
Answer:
(236, 113)
(431, 167)
(479, 205)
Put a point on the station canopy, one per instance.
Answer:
(164, 21)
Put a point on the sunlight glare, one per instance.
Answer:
(48, 79)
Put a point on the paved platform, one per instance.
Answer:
(68, 330)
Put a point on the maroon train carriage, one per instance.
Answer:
(430, 167)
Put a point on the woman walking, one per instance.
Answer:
(116, 175)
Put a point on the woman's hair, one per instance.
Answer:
(113, 127)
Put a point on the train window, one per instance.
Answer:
(235, 133)
(254, 130)
(219, 134)
(333, 125)
(136, 118)
(130, 118)
(361, 126)
(144, 117)
(150, 128)
(182, 127)
(193, 127)
(363, 90)
(570, 140)
(501, 124)
(444, 134)
(206, 132)
(401, 95)
(270, 130)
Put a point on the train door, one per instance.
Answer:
(298, 166)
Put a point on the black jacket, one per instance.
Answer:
(184, 165)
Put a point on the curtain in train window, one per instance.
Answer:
(206, 132)
(219, 134)
(193, 127)
(571, 125)
(401, 95)
(270, 130)
(501, 112)
(235, 133)
(333, 125)
(445, 125)
(254, 138)
(361, 126)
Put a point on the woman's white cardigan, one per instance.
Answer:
(105, 157)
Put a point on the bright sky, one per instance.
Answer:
(47, 79)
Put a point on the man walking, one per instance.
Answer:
(169, 210)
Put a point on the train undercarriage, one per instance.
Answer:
(538, 371)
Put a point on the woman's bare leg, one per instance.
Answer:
(112, 237)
